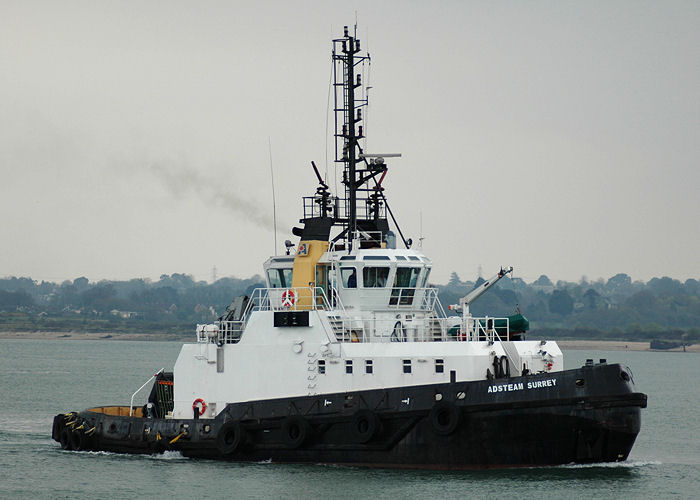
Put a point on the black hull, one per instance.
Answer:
(587, 415)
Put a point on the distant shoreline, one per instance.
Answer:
(603, 345)
(151, 337)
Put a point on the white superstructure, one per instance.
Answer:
(373, 322)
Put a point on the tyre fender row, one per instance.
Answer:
(73, 432)
(296, 431)
(365, 426)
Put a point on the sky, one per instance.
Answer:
(560, 137)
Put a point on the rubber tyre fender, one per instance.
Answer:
(365, 425)
(295, 431)
(78, 440)
(65, 439)
(230, 438)
(444, 418)
(57, 427)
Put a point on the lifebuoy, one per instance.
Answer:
(199, 401)
(365, 425)
(444, 418)
(295, 431)
(230, 438)
(288, 298)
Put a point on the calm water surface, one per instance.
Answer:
(39, 379)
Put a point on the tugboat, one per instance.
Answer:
(348, 357)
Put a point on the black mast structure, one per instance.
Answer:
(361, 214)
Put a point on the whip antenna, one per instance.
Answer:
(274, 204)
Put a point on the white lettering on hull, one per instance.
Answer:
(506, 387)
(536, 384)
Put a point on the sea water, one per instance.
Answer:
(39, 379)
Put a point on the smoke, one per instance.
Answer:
(182, 181)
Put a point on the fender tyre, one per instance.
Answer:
(230, 438)
(365, 425)
(295, 431)
(57, 427)
(65, 439)
(78, 440)
(444, 418)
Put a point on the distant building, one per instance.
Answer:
(123, 314)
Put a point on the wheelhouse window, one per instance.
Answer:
(406, 277)
(349, 277)
(424, 281)
(279, 278)
(405, 283)
(375, 277)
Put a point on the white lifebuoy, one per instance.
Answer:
(288, 298)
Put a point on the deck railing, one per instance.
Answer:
(424, 329)
(431, 326)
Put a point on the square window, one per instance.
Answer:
(369, 367)
(348, 366)
(439, 366)
(407, 366)
(321, 366)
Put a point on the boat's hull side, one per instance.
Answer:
(585, 415)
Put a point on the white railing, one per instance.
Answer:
(428, 323)
(131, 402)
(272, 299)
(431, 328)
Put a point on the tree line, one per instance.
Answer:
(617, 308)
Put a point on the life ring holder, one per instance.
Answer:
(199, 401)
(288, 298)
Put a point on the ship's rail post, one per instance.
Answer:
(131, 402)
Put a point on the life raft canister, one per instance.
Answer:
(288, 298)
(199, 401)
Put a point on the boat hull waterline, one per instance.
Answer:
(585, 415)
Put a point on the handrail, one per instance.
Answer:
(131, 403)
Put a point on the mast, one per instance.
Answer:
(349, 50)
(362, 212)
(348, 113)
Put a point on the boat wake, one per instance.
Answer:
(167, 455)
(612, 465)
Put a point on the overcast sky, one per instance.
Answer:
(560, 137)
